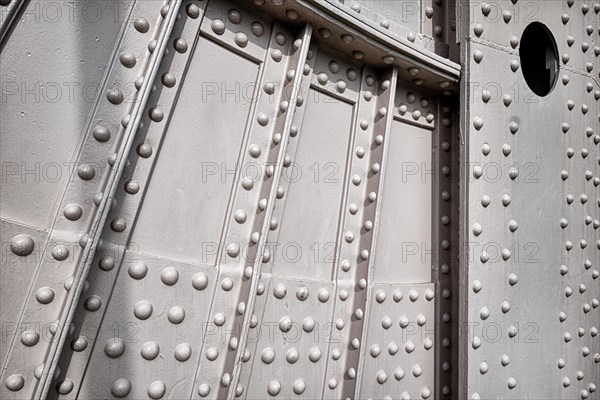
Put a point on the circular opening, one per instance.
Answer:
(539, 58)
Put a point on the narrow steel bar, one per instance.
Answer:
(303, 52)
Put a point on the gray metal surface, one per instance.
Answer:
(297, 199)
(530, 285)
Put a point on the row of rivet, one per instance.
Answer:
(72, 211)
(297, 299)
(577, 309)
(115, 96)
(354, 44)
(375, 332)
(366, 157)
(447, 271)
(420, 111)
(413, 354)
(152, 131)
(241, 31)
(513, 172)
(278, 158)
(585, 67)
(291, 149)
(477, 229)
(275, 385)
(242, 230)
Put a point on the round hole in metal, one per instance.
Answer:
(539, 58)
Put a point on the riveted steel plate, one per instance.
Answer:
(299, 199)
(19, 256)
(46, 162)
(529, 325)
(290, 339)
(398, 350)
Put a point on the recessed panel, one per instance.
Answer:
(184, 209)
(404, 251)
(306, 243)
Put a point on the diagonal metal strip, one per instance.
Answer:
(303, 52)
(393, 76)
(9, 17)
(104, 208)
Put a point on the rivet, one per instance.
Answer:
(182, 352)
(323, 295)
(30, 338)
(72, 212)
(241, 39)
(118, 224)
(292, 14)
(262, 119)
(193, 11)
(234, 16)
(60, 252)
(176, 315)
(169, 79)
(257, 29)
(485, 9)
(101, 134)
(127, 60)
(157, 390)
(144, 150)
(115, 96)
(22, 244)
(218, 26)
(156, 114)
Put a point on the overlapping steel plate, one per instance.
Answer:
(298, 199)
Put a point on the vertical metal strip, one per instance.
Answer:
(306, 37)
(445, 273)
(386, 134)
(463, 229)
(111, 186)
(436, 214)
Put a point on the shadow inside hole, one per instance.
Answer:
(539, 58)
